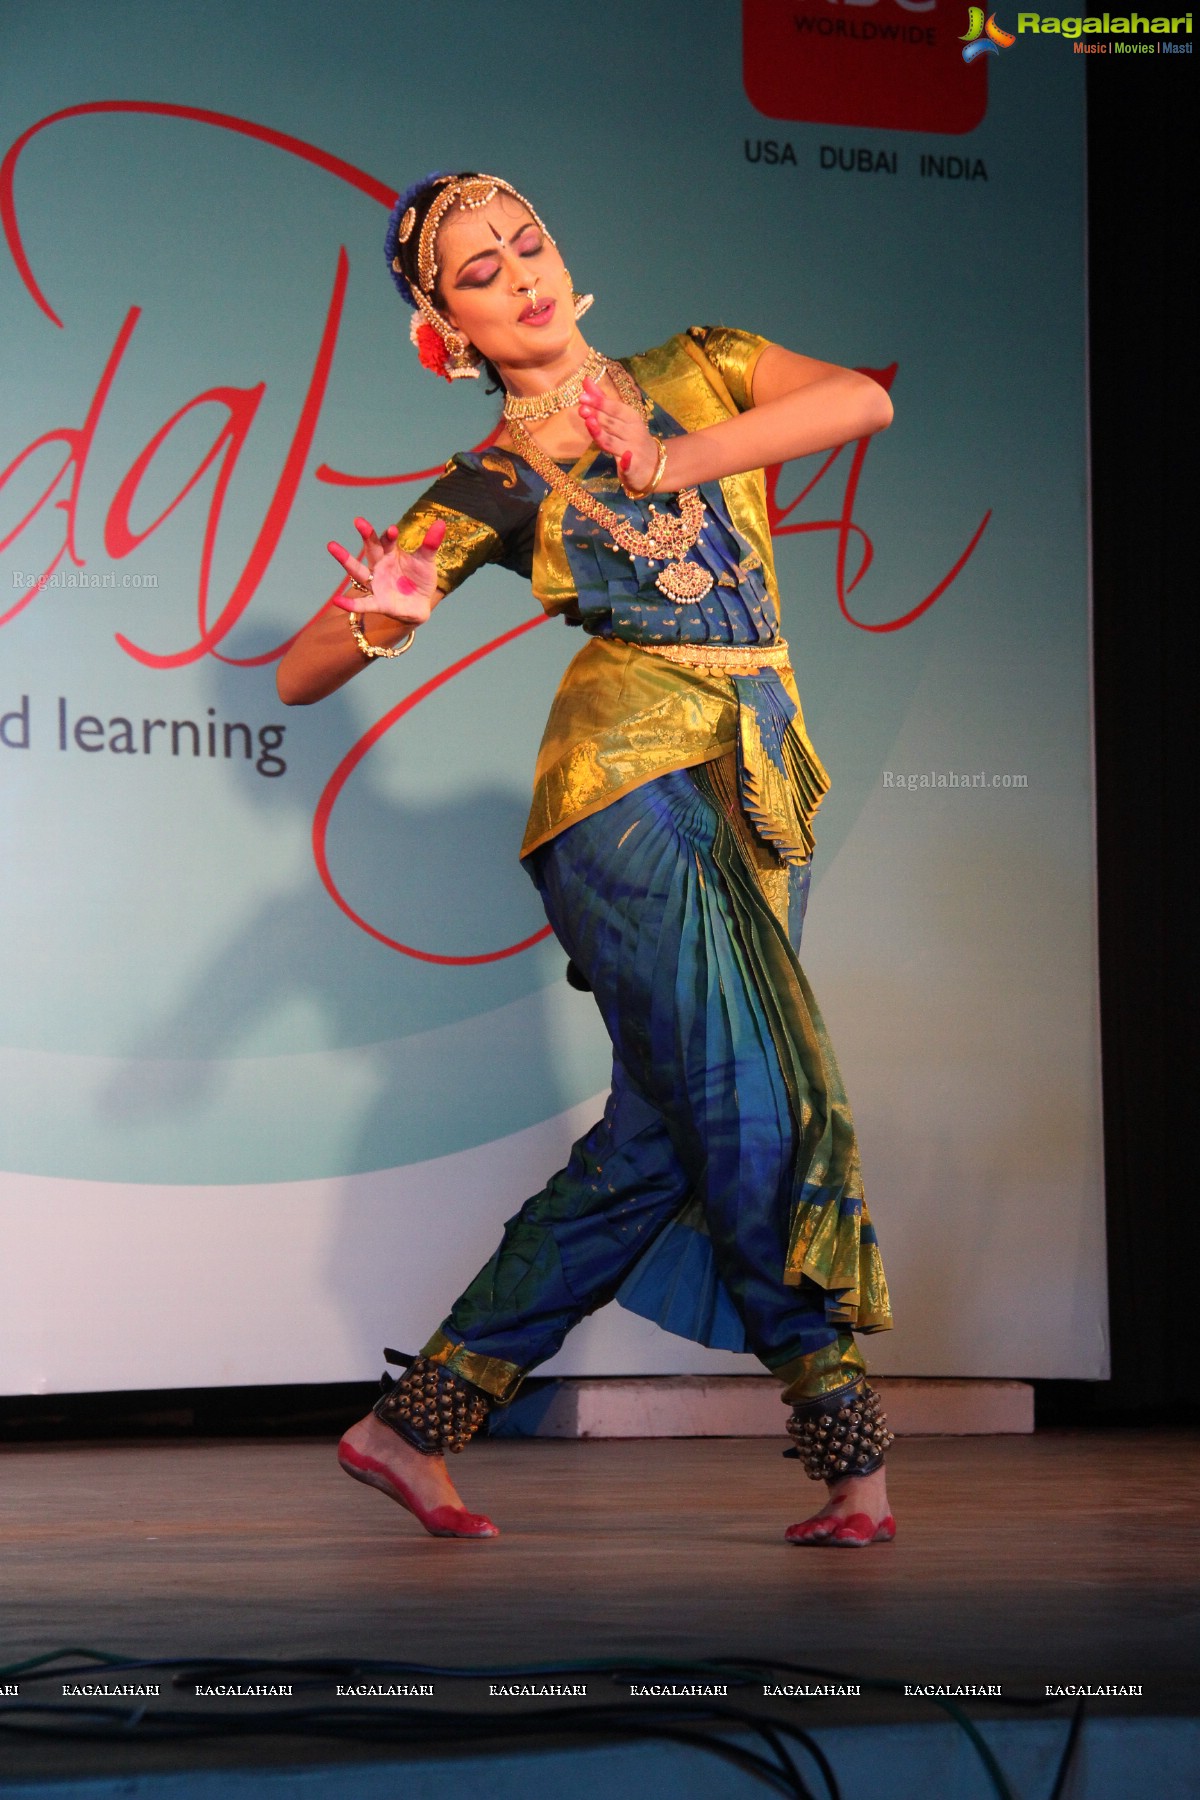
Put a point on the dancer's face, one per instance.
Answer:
(489, 258)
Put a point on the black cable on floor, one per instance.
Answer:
(1069, 1748)
(692, 1724)
(693, 1727)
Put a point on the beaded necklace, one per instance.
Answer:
(668, 538)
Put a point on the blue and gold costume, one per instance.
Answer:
(670, 837)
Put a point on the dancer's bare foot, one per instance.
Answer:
(372, 1452)
(856, 1513)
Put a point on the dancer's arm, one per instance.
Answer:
(404, 591)
(800, 406)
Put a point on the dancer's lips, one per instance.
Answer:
(539, 314)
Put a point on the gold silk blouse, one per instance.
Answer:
(620, 716)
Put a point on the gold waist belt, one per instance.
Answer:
(725, 659)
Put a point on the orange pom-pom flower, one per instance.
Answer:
(431, 349)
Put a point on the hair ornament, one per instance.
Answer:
(405, 204)
(430, 347)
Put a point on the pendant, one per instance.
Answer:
(684, 581)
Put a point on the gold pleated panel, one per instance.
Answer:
(769, 869)
(823, 1249)
(782, 804)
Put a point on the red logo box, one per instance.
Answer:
(892, 65)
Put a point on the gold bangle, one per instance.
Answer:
(370, 650)
(643, 493)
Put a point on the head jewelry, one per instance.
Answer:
(449, 353)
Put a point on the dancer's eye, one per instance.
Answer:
(480, 275)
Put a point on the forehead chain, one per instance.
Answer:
(471, 194)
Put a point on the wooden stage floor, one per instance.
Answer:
(1062, 1557)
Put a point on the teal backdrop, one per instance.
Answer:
(234, 1109)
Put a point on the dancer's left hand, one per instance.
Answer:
(622, 431)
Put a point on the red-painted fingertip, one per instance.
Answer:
(434, 535)
(626, 460)
(345, 602)
(365, 526)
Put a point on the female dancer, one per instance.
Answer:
(670, 838)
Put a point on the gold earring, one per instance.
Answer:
(463, 360)
(580, 302)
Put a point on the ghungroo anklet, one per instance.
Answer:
(431, 1408)
(844, 1433)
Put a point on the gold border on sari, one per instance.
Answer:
(553, 583)
(734, 355)
(496, 1377)
(829, 1243)
(467, 545)
(825, 1371)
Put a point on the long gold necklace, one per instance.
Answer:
(667, 538)
(567, 393)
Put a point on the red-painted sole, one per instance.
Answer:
(854, 1532)
(439, 1521)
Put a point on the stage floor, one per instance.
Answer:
(1063, 1557)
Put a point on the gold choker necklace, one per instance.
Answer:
(567, 393)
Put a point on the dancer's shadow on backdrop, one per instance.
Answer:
(282, 957)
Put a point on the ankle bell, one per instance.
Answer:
(431, 1408)
(843, 1433)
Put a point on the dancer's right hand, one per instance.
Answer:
(403, 583)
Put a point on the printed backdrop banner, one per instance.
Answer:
(284, 1037)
